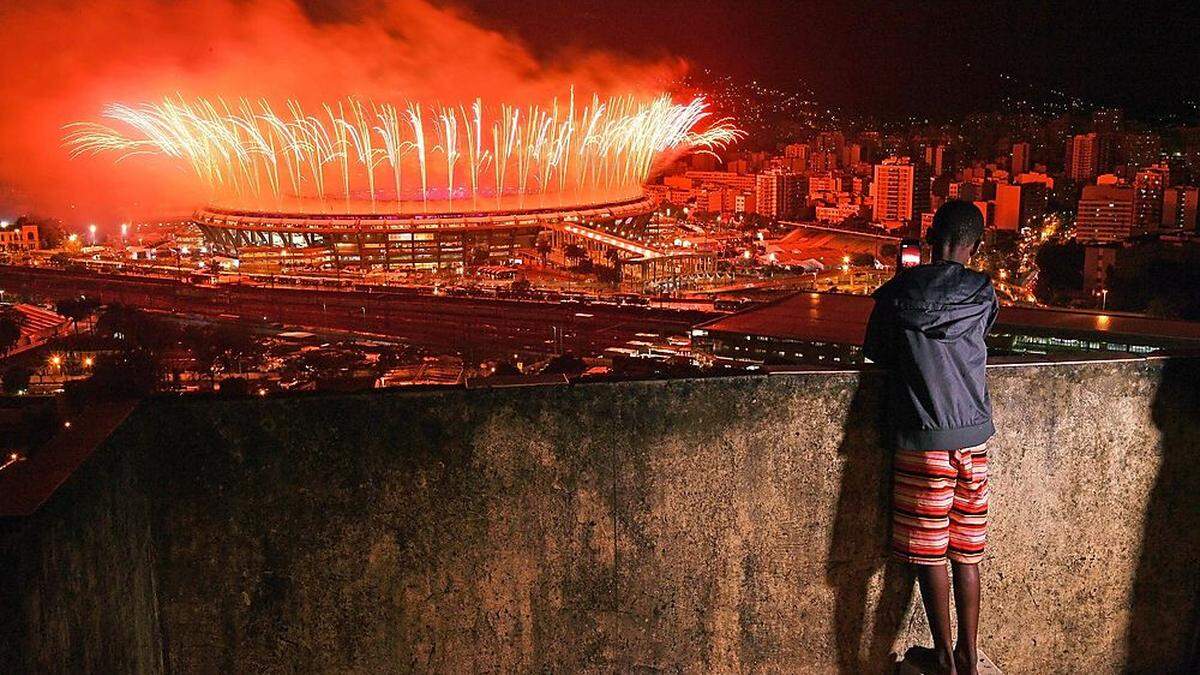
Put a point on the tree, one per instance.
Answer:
(136, 328)
(10, 331)
(16, 379)
(574, 252)
(235, 386)
(505, 368)
(77, 308)
(235, 345)
(215, 346)
(1158, 278)
(609, 275)
(50, 232)
(1060, 272)
(862, 259)
(565, 364)
(206, 351)
(131, 373)
(544, 246)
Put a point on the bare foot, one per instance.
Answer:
(932, 661)
(966, 664)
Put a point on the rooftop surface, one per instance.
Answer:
(838, 318)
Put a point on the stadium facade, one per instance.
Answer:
(611, 236)
(418, 241)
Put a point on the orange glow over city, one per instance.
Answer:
(65, 64)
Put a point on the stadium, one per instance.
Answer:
(434, 241)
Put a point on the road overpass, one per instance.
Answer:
(477, 328)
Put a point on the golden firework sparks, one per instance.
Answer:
(247, 149)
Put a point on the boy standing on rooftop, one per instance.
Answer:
(927, 330)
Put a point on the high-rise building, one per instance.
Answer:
(1019, 205)
(988, 211)
(1082, 156)
(965, 190)
(711, 198)
(1105, 214)
(1148, 187)
(933, 158)
(1108, 152)
(1008, 207)
(1040, 178)
(1141, 150)
(824, 185)
(1179, 207)
(1035, 200)
(852, 154)
(926, 223)
(1098, 262)
(744, 202)
(1020, 158)
(819, 160)
(830, 141)
(734, 180)
(901, 189)
(1107, 124)
(778, 194)
(869, 140)
(796, 155)
(796, 150)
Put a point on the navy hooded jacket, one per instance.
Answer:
(928, 330)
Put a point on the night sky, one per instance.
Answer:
(894, 59)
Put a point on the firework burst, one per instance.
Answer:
(248, 151)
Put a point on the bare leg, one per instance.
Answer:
(966, 604)
(935, 595)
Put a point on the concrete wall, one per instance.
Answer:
(717, 525)
(77, 579)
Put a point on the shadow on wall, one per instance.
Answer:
(1164, 627)
(858, 547)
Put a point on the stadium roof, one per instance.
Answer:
(838, 318)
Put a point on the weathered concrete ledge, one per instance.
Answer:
(715, 525)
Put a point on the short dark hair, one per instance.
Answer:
(957, 223)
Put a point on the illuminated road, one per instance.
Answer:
(476, 328)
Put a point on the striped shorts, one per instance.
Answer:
(939, 505)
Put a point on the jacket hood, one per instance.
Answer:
(943, 301)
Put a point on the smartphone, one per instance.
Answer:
(909, 254)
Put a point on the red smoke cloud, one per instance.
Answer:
(62, 61)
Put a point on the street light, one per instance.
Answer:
(1103, 298)
(92, 233)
